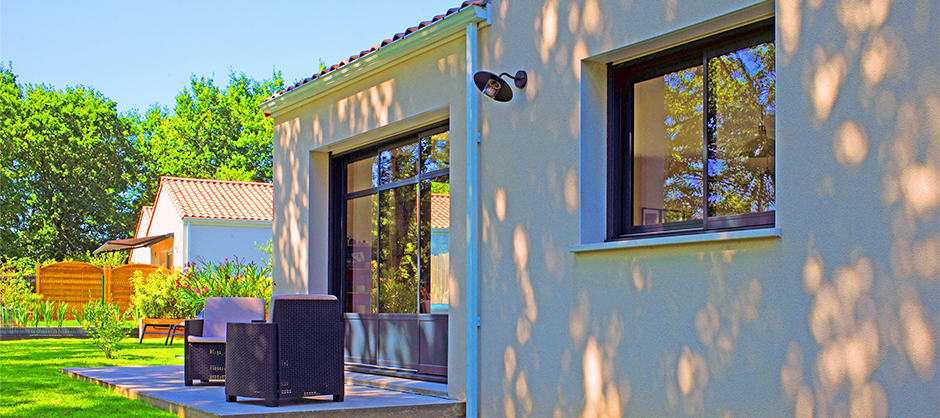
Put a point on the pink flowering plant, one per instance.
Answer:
(230, 278)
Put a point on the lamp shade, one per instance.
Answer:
(502, 94)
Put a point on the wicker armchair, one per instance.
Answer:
(297, 353)
(205, 338)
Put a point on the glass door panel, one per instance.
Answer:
(398, 243)
(361, 255)
(435, 245)
(362, 174)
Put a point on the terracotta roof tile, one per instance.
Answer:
(394, 38)
(220, 199)
(440, 210)
(143, 221)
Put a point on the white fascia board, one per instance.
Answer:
(228, 222)
(415, 43)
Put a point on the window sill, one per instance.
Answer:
(746, 234)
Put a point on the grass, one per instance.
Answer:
(31, 384)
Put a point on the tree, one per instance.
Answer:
(212, 133)
(69, 170)
(740, 128)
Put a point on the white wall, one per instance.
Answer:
(214, 241)
(140, 255)
(166, 220)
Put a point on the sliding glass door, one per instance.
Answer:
(395, 243)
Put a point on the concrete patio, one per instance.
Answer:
(366, 395)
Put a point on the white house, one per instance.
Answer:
(688, 207)
(205, 220)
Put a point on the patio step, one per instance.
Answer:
(397, 384)
(367, 396)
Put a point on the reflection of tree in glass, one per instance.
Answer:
(741, 111)
(399, 163)
(683, 160)
(399, 234)
(428, 187)
(398, 223)
(436, 152)
(741, 115)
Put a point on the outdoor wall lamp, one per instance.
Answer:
(494, 87)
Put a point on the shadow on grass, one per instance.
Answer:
(31, 384)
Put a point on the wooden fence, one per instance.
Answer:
(77, 283)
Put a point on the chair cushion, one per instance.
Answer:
(220, 311)
(295, 296)
(205, 340)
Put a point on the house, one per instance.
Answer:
(194, 220)
(635, 232)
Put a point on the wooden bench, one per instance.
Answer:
(167, 330)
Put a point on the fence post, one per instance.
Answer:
(106, 285)
(38, 266)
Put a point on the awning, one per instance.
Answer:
(131, 243)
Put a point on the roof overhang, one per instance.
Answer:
(131, 243)
(427, 38)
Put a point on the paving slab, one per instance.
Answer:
(162, 387)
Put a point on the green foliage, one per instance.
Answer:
(20, 316)
(18, 299)
(213, 132)
(440, 188)
(74, 172)
(157, 295)
(225, 279)
(69, 170)
(268, 250)
(21, 266)
(104, 322)
(60, 313)
(112, 259)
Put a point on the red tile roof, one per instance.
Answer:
(440, 210)
(374, 48)
(146, 213)
(220, 199)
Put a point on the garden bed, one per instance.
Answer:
(22, 333)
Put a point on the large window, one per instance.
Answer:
(691, 137)
(397, 216)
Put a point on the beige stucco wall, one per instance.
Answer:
(836, 317)
(418, 92)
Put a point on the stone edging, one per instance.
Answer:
(18, 333)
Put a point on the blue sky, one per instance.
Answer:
(141, 53)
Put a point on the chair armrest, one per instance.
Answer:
(192, 327)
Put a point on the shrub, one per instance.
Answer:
(231, 278)
(104, 322)
(17, 297)
(113, 258)
(157, 295)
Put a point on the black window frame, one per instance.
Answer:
(621, 79)
(339, 194)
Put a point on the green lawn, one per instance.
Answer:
(32, 386)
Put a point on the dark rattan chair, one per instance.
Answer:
(297, 353)
(205, 338)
